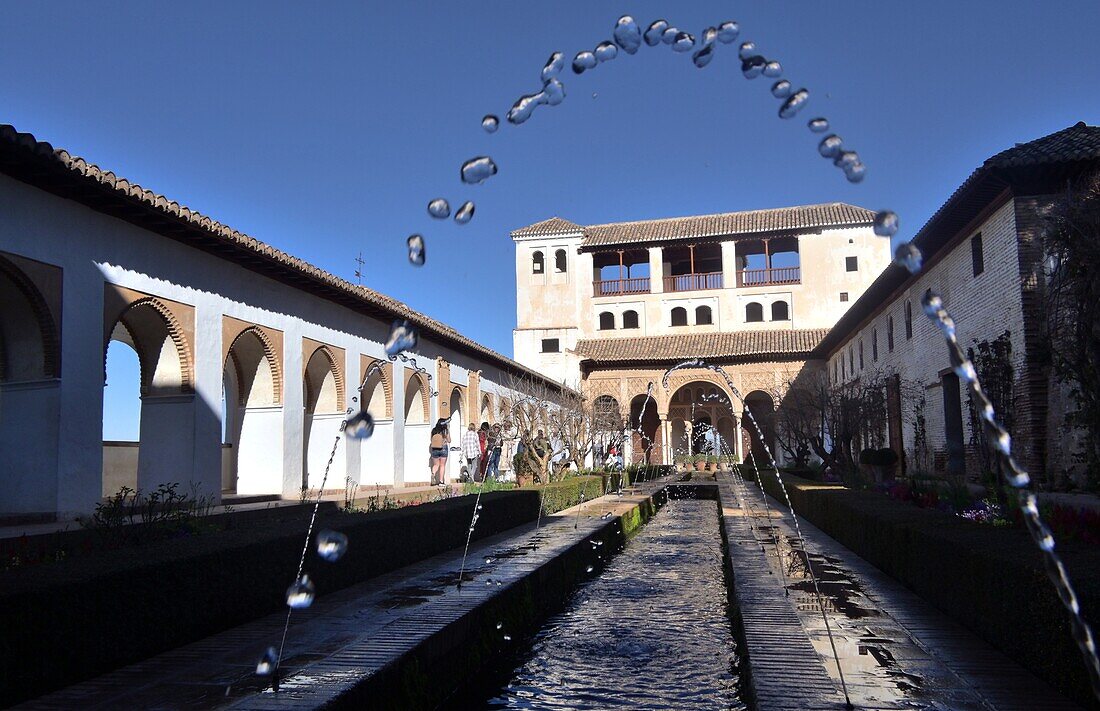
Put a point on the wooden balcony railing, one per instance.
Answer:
(615, 287)
(694, 282)
(766, 277)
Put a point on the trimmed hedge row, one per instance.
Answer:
(565, 493)
(991, 580)
(73, 620)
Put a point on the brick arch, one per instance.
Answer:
(425, 398)
(385, 376)
(43, 317)
(271, 354)
(148, 354)
(337, 373)
(488, 401)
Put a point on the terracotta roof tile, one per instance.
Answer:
(1078, 142)
(51, 165)
(737, 344)
(553, 226)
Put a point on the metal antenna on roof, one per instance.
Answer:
(359, 272)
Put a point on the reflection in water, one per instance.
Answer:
(650, 632)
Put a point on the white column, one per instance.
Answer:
(353, 448)
(729, 264)
(207, 457)
(293, 411)
(398, 424)
(656, 270)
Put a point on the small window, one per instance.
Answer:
(851, 264)
(630, 319)
(890, 334)
(780, 311)
(874, 345)
(835, 379)
(861, 354)
(754, 312)
(538, 264)
(703, 316)
(843, 369)
(851, 360)
(550, 345)
(607, 321)
(977, 256)
(679, 316)
(559, 261)
(844, 296)
(908, 320)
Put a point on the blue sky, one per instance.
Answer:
(325, 133)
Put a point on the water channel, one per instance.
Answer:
(651, 630)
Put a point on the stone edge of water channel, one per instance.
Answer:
(780, 669)
(428, 673)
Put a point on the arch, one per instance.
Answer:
(324, 382)
(455, 426)
(679, 316)
(630, 319)
(488, 412)
(164, 353)
(377, 386)
(781, 311)
(538, 262)
(645, 426)
(703, 316)
(251, 418)
(561, 261)
(762, 407)
(30, 348)
(416, 389)
(607, 321)
(255, 336)
(754, 312)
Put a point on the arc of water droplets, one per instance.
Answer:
(699, 363)
(1000, 447)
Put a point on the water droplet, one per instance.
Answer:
(507, 638)
(627, 34)
(606, 51)
(490, 123)
(844, 159)
(488, 561)
(267, 662)
(360, 425)
(553, 67)
(830, 146)
(855, 172)
(500, 625)
(709, 35)
(583, 60)
(300, 594)
(403, 337)
(669, 35)
(465, 213)
(818, 125)
(478, 170)
(653, 33)
(773, 68)
(439, 209)
(966, 372)
(554, 91)
(606, 516)
(417, 252)
(589, 569)
(702, 57)
(728, 31)
(781, 89)
(747, 49)
(525, 106)
(795, 103)
(684, 42)
(331, 545)
(488, 582)
(498, 583)
(886, 223)
(752, 67)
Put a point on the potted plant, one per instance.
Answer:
(700, 462)
(681, 461)
(712, 463)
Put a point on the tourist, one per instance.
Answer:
(495, 444)
(483, 444)
(441, 440)
(471, 449)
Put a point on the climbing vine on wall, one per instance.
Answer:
(993, 362)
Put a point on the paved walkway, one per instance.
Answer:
(896, 650)
(344, 636)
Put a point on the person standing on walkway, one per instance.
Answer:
(437, 449)
(483, 442)
(494, 443)
(471, 449)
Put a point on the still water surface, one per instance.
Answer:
(651, 631)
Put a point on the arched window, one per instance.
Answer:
(537, 263)
(780, 311)
(679, 316)
(630, 319)
(908, 320)
(559, 261)
(607, 321)
(703, 316)
(754, 312)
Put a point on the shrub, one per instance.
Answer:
(562, 494)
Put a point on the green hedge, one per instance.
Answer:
(77, 619)
(565, 493)
(991, 580)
